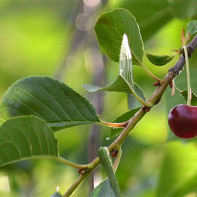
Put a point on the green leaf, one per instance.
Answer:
(194, 97)
(110, 28)
(132, 101)
(107, 164)
(123, 118)
(103, 190)
(124, 81)
(26, 137)
(159, 60)
(192, 27)
(179, 171)
(54, 102)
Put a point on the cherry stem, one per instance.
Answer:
(188, 76)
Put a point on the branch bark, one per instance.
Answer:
(154, 99)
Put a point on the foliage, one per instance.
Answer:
(34, 106)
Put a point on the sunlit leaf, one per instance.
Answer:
(123, 118)
(159, 60)
(192, 27)
(110, 28)
(26, 137)
(54, 102)
(194, 97)
(124, 81)
(107, 164)
(179, 171)
(103, 189)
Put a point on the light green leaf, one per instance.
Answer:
(26, 137)
(124, 81)
(54, 102)
(118, 85)
(132, 101)
(179, 171)
(159, 60)
(192, 27)
(194, 97)
(110, 28)
(107, 164)
(103, 190)
(123, 118)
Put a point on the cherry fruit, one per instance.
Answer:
(182, 120)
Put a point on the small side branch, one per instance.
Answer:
(156, 96)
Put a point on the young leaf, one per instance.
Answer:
(123, 118)
(54, 102)
(192, 27)
(26, 137)
(103, 189)
(124, 81)
(110, 28)
(107, 164)
(194, 97)
(179, 171)
(132, 101)
(159, 60)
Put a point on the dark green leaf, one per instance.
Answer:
(179, 171)
(150, 20)
(54, 102)
(194, 97)
(26, 137)
(103, 190)
(107, 164)
(192, 27)
(123, 118)
(159, 60)
(110, 28)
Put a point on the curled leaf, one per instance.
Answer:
(159, 60)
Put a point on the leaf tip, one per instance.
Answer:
(125, 52)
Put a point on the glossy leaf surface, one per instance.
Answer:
(110, 28)
(124, 82)
(49, 99)
(26, 137)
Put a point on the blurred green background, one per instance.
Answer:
(56, 38)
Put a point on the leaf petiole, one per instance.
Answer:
(188, 76)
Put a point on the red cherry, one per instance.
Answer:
(182, 120)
